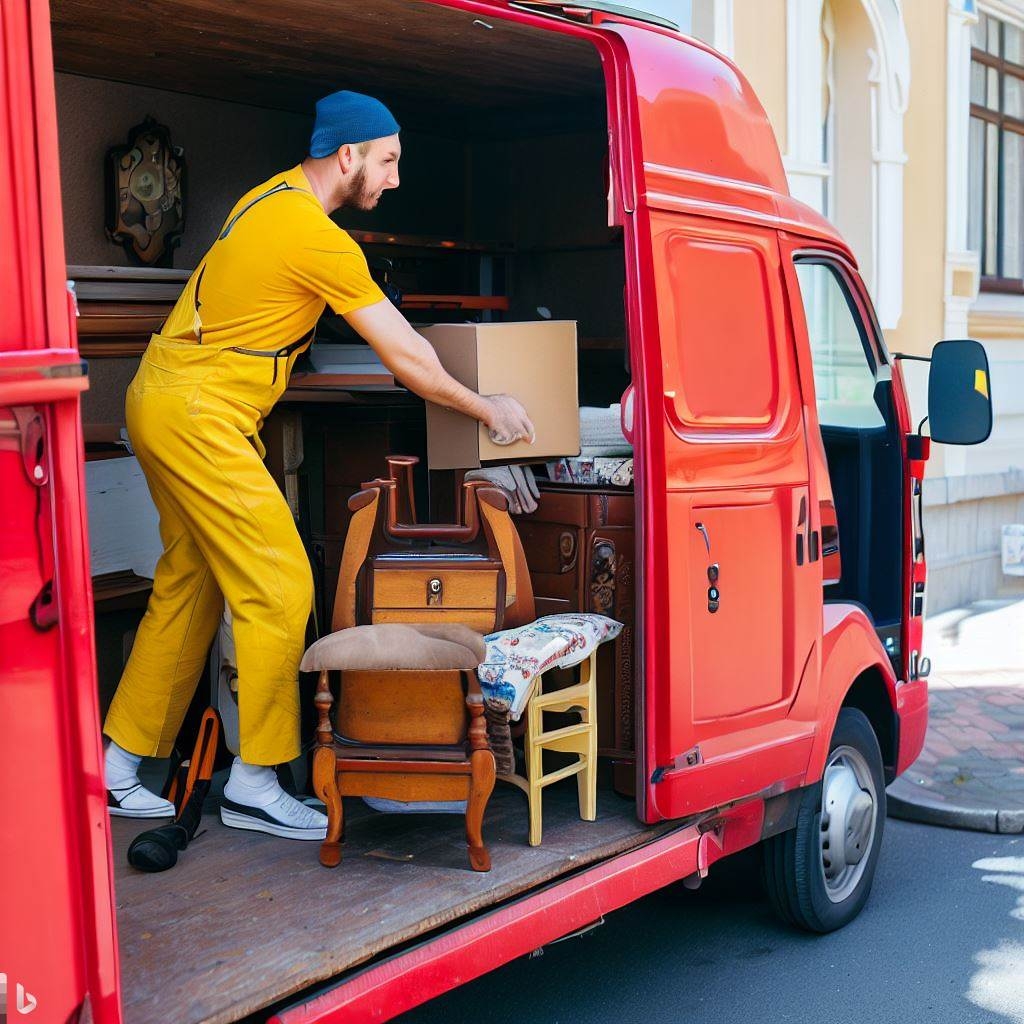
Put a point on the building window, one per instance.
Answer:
(995, 223)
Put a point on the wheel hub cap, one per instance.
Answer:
(848, 813)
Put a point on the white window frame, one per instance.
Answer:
(888, 83)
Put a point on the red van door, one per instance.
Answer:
(57, 944)
(742, 561)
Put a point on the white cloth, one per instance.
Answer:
(601, 432)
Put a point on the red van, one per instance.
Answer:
(776, 681)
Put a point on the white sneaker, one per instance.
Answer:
(133, 800)
(254, 800)
(285, 817)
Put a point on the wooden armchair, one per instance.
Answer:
(409, 724)
(407, 621)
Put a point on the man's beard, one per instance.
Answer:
(356, 196)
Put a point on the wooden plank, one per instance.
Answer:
(103, 272)
(246, 919)
(455, 302)
(115, 590)
(394, 238)
(355, 381)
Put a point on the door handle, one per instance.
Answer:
(806, 539)
(713, 571)
(704, 533)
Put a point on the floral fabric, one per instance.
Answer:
(515, 657)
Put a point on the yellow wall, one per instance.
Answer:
(759, 48)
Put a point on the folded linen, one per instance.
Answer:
(601, 432)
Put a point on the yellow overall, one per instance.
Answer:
(194, 411)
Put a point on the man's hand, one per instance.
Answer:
(507, 422)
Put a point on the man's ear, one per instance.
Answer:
(345, 158)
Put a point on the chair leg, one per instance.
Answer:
(325, 785)
(481, 786)
(586, 781)
(534, 771)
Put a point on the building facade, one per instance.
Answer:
(903, 122)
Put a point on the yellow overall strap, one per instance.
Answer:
(281, 186)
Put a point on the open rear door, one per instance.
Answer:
(57, 940)
(731, 539)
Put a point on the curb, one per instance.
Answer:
(916, 803)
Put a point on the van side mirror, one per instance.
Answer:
(959, 398)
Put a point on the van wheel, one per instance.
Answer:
(818, 875)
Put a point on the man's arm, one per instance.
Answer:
(412, 359)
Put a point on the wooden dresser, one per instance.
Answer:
(579, 544)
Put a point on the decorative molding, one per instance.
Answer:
(811, 170)
(962, 276)
(724, 38)
(888, 83)
(993, 326)
(712, 21)
(893, 56)
(962, 273)
(804, 116)
(1011, 11)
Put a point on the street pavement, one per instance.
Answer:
(941, 941)
(971, 771)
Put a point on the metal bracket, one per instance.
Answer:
(688, 759)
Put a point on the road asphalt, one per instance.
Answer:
(941, 941)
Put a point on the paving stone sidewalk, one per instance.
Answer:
(971, 771)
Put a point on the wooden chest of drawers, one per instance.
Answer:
(579, 544)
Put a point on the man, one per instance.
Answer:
(194, 410)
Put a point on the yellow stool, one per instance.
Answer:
(579, 739)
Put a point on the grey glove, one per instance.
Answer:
(502, 478)
(518, 483)
(526, 487)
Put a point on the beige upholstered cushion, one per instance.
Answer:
(397, 647)
(455, 633)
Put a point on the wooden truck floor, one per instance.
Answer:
(245, 919)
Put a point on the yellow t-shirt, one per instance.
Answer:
(274, 266)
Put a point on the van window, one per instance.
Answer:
(728, 364)
(843, 379)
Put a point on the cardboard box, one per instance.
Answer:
(535, 362)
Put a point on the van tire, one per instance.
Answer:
(795, 863)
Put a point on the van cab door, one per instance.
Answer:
(737, 632)
(57, 945)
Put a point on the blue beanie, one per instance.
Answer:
(349, 118)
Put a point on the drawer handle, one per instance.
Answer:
(435, 591)
(567, 551)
